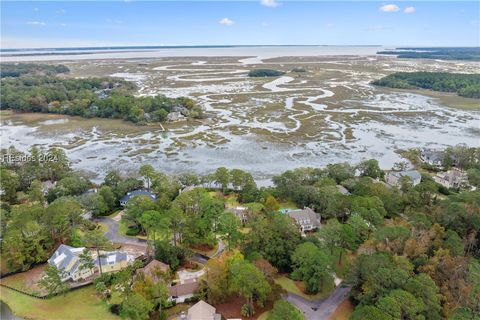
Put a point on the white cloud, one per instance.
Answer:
(265, 24)
(389, 8)
(226, 22)
(269, 3)
(409, 10)
(329, 25)
(61, 11)
(36, 23)
(63, 24)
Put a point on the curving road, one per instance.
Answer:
(113, 235)
(319, 309)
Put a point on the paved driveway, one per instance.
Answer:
(319, 309)
(113, 236)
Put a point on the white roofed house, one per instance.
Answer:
(67, 260)
(393, 178)
(306, 219)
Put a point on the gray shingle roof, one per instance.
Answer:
(303, 215)
(412, 174)
(64, 256)
(136, 193)
(113, 257)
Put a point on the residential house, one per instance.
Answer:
(180, 292)
(342, 189)
(454, 178)
(90, 191)
(114, 261)
(47, 185)
(432, 157)
(187, 189)
(203, 311)
(242, 213)
(306, 218)
(67, 259)
(153, 269)
(394, 177)
(136, 193)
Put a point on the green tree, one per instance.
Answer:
(136, 307)
(274, 237)
(135, 208)
(52, 281)
(340, 171)
(336, 235)
(313, 266)
(10, 184)
(250, 283)
(62, 216)
(400, 304)
(35, 192)
(152, 221)
(148, 173)
(369, 312)
(424, 289)
(86, 261)
(222, 178)
(108, 196)
(370, 168)
(474, 177)
(271, 204)
(112, 179)
(283, 310)
(228, 229)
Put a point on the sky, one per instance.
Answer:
(42, 24)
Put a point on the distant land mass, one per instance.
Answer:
(445, 53)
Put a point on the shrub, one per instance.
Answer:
(132, 231)
(115, 309)
(265, 73)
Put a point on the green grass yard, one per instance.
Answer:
(290, 286)
(81, 304)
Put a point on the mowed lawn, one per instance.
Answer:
(81, 304)
(26, 281)
(291, 286)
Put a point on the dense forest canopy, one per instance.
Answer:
(467, 53)
(465, 85)
(407, 252)
(90, 97)
(21, 69)
(265, 73)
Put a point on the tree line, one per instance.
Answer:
(31, 69)
(465, 85)
(467, 53)
(89, 97)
